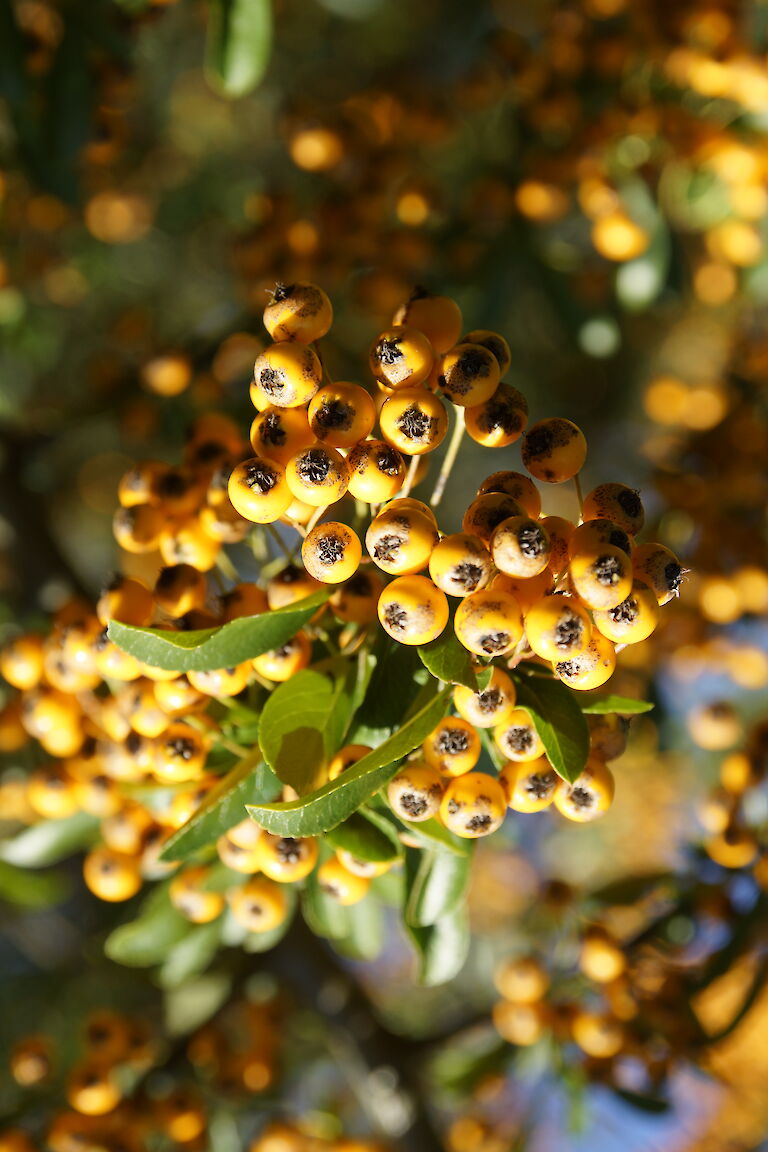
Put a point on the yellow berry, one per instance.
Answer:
(412, 610)
(498, 421)
(554, 450)
(473, 805)
(438, 317)
(453, 747)
(660, 569)
(318, 475)
(298, 311)
(343, 886)
(489, 707)
(415, 792)
(401, 357)
(414, 421)
(529, 785)
(331, 552)
(260, 905)
(258, 489)
(631, 621)
(517, 738)
(400, 540)
(589, 796)
(376, 471)
(615, 502)
(601, 578)
(468, 375)
(341, 414)
(489, 622)
(460, 564)
(285, 376)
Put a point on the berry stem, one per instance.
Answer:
(225, 567)
(410, 476)
(450, 458)
(579, 494)
(316, 516)
(281, 544)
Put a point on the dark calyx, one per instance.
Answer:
(314, 466)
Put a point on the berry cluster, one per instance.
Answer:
(528, 587)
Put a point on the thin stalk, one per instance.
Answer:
(450, 458)
(410, 477)
(316, 515)
(281, 544)
(579, 494)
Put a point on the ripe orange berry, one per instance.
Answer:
(438, 317)
(415, 793)
(190, 895)
(486, 512)
(412, 611)
(460, 564)
(286, 859)
(279, 433)
(331, 552)
(260, 905)
(520, 547)
(517, 739)
(473, 805)
(279, 664)
(468, 375)
(529, 785)
(554, 450)
(522, 980)
(298, 311)
(414, 421)
(110, 875)
(341, 414)
(124, 599)
(631, 621)
(179, 589)
(453, 747)
(400, 539)
(489, 707)
(489, 622)
(557, 627)
(21, 661)
(401, 357)
(498, 421)
(355, 601)
(494, 343)
(590, 668)
(376, 471)
(343, 886)
(601, 578)
(317, 475)
(616, 502)
(285, 376)
(137, 529)
(521, 488)
(660, 569)
(589, 796)
(259, 490)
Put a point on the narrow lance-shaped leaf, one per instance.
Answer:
(249, 782)
(367, 836)
(335, 801)
(436, 885)
(50, 841)
(206, 649)
(559, 721)
(623, 705)
(441, 948)
(238, 44)
(303, 723)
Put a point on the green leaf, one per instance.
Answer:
(192, 955)
(436, 885)
(389, 693)
(447, 659)
(624, 705)
(367, 836)
(238, 44)
(195, 1001)
(355, 930)
(147, 939)
(50, 841)
(31, 889)
(207, 649)
(434, 835)
(441, 948)
(303, 723)
(249, 782)
(335, 801)
(559, 721)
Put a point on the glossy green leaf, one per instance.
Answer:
(328, 806)
(147, 939)
(195, 1001)
(434, 835)
(441, 948)
(50, 841)
(31, 889)
(436, 885)
(191, 955)
(390, 691)
(366, 836)
(356, 930)
(207, 649)
(238, 45)
(447, 659)
(559, 721)
(249, 782)
(623, 705)
(302, 725)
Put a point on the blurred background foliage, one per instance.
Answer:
(588, 177)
